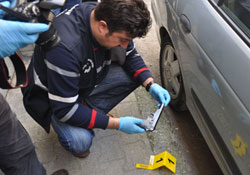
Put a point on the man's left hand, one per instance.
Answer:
(160, 94)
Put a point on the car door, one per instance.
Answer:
(215, 60)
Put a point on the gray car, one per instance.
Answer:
(205, 65)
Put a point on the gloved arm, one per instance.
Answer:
(129, 125)
(15, 35)
(160, 94)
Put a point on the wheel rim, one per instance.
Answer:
(171, 71)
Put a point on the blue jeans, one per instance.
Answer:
(116, 86)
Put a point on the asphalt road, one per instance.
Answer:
(176, 133)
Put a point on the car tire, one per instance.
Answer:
(171, 77)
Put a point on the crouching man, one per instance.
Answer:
(94, 67)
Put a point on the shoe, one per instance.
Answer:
(83, 155)
(61, 172)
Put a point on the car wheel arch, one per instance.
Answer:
(164, 35)
(179, 103)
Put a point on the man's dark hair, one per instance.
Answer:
(131, 16)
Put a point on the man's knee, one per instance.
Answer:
(77, 143)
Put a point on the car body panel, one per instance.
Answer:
(213, 25)
(213, 61)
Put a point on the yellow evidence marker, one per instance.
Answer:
(159, 160)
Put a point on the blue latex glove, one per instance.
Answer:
(160, 94)
(9, 4)
(15, 35)
(129, 125)
(5, 4)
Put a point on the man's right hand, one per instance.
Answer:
(15, 35)
(130, 125)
